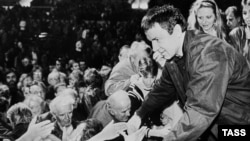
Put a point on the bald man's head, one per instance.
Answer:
(119, 105)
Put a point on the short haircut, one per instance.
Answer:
(167, 16)
(233, 9)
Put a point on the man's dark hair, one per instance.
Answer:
(167, 16)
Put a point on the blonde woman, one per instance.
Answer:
(205, 16)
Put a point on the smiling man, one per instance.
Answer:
(209, 78)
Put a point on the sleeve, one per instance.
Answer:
(163, 94)
(235, 39)
(209, 75)
(117, 80)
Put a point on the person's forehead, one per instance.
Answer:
(205, 11)
(246, 8)
(156, 31)
(64, 109)
(35, 87)
(11, 74)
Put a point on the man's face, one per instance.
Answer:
(123, 54)
(58, 65)
(246, 14)
(25, 62)
(64, 115)
(122, 113)
(11, 78)
(37, 75)
(232, 21)
(82, 65)
(162, 42)
(75, 66)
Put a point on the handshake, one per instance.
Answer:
(113, 130)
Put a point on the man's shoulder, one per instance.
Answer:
(100, 106)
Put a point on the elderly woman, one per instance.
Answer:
(36, 104)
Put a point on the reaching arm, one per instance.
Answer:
(209, 76)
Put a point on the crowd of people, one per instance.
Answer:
(68, 74)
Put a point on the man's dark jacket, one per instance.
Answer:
(215, 80)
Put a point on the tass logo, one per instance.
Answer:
(234, 132)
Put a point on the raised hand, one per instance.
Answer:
(37, 131)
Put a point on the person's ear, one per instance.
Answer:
(177, 30)
(111, 111)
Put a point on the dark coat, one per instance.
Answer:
(214, 79)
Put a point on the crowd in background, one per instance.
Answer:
(71, 55)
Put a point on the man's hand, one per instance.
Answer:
(136, 136)
(134, 78)
(134, 124)
(112, 130)
(37, 131)
(159, 58)
(73, 135)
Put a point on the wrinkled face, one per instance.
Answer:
(11, 78)
(64, 115)
(206, 18)
(162, 41)
(122, 113)
(246, 14)
(232, 21)
(37, 90)
(36, 108)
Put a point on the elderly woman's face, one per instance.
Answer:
(36, 108)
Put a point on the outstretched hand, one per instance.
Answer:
(136, 136)
(133, 124)
(112, 130)
(37, 131)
